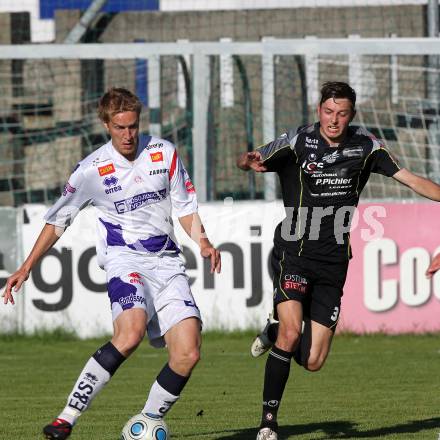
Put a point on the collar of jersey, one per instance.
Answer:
(143, 141)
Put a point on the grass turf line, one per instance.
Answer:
(372, 387)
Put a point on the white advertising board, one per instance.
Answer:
(386, 288)
(67, 288)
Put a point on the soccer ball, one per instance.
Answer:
(143, 427)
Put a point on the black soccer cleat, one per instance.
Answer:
(59, 429)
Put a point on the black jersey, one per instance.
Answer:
(321, 186)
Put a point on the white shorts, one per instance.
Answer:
(157, 284)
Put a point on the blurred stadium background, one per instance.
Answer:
(57, 57)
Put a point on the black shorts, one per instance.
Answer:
(317, 285)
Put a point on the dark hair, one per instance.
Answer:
(118, 100)
(336, 89)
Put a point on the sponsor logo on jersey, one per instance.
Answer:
(312, 157)
(111, 183)
(319, 175)
(68, 188)
(156, 157)
(156, 145)
(312, 167)
(353, 152)
(189, 187)
(138, 179)
(140, 200)
(135, 278)
(106, 169)
(161, 171)
(311, 143)
(334, 181)
(331, 157)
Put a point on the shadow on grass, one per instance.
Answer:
(340, 429)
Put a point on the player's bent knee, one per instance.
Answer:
(315, 363)
(191, 357)
(313, 366)
(288, 339)
(185, 361)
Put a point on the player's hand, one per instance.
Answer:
(434, 267)
(251, 160)
(216, 259)
(13, 284)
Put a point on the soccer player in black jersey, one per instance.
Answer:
(322, 168)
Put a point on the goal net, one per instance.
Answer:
(213, 100)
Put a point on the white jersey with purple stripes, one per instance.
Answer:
(134, 200)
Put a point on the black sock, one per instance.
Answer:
(171, 381)
(275, 378)
(109, 357)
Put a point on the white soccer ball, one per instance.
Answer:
(142, 427)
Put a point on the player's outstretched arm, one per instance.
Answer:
(251, 161)
(192, 225)
(45, 241)
(420, 185)
(434, 267)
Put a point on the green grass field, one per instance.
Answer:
(371, 387)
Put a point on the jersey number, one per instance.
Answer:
(335, 315)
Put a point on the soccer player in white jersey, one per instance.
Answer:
(135, 182)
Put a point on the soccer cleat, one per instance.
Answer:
(262, 343)
(59, 429)
(267, 434)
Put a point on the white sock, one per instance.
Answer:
(90, 382)
(159, 401)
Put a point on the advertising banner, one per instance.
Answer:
(386, 289)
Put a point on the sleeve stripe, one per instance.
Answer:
(173, 164)
(274, 152)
